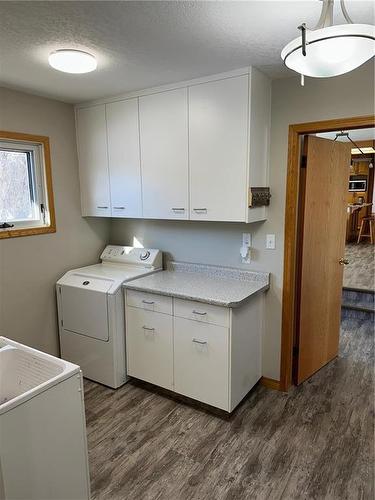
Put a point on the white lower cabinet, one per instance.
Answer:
(201, 361)
(149, 344)
(206, 352)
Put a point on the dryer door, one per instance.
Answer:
(84, 306)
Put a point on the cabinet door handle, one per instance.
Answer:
(176, 209)
(200, 342)
(200, 313)
(148, 329)
(101, 207)
(148, 302)
(119, 208)
(200, 210)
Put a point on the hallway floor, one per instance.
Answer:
(316, 442)
(360, 272)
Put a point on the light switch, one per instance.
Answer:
(270, 241)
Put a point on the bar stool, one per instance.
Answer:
(370, 220)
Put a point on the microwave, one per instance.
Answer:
(358, 185)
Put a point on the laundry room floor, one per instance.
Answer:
(317, 441)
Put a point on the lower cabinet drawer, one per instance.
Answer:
(149, 301)
(149, 346)
(201, 362)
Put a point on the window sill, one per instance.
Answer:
(27, 231)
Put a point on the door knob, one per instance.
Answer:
(343, 262)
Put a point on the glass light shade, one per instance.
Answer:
(72, 61)
(331, 51)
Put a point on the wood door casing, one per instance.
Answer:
(322, 246)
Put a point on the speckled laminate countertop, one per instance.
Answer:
(221, 286)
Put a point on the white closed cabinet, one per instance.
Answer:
(206, 352)
(201, 356)
(93, 161)
(218, 149)
(124, 158)
(149, 346)
(164, 154)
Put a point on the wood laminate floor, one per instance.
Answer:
(360, 272)
(316, 442)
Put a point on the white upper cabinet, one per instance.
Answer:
(218, 140)
(93, 161)
(191, 152)
(164, 154)
(124, 158)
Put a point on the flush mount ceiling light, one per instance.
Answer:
(72, 61)
(330, 50)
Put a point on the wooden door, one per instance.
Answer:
(93, 162)
(164, 154)
(322, 245)
(124, 158)
(218, 149)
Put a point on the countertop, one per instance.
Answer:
(223, 286)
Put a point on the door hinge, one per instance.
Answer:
(62, 323)
(304, 161)
(295, 351)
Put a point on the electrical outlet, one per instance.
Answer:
(246, 239)
(271, 241)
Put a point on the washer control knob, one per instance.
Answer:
(144, 255)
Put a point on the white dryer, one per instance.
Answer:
(91, 311)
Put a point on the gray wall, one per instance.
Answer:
(219, 243)
(30, 266)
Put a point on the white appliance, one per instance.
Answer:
(43, 447)
(91, 311)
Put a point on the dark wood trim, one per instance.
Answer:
(41, 139)
(270, 383)
(290, 231)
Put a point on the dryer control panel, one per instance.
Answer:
(145, 257)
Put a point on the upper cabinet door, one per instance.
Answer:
(124, 158)
(164, 154)
(93, 162)
(218, 144)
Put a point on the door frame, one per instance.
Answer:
(290, 229)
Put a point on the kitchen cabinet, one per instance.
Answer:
(93, 161)
(189, 152)
(164, 152)
(218, 132)
(206, 352)
(149, 345)
(124, 158)
(201, 361)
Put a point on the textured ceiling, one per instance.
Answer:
(142, 44)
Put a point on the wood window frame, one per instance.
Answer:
(291, 229)
(44, 142)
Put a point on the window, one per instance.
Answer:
(26, 199)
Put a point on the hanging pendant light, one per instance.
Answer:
(330, 50)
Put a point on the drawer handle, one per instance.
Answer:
(148, 302)
(200, 210)
(119, 208)
(148, 329)
(102, 207)
(200, 342)
(199, 313)
(178, 209)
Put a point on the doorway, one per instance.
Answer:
(318, 342)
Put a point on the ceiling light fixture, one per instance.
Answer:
(72, 61)
(330, 50)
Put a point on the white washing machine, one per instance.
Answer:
(91, 311)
